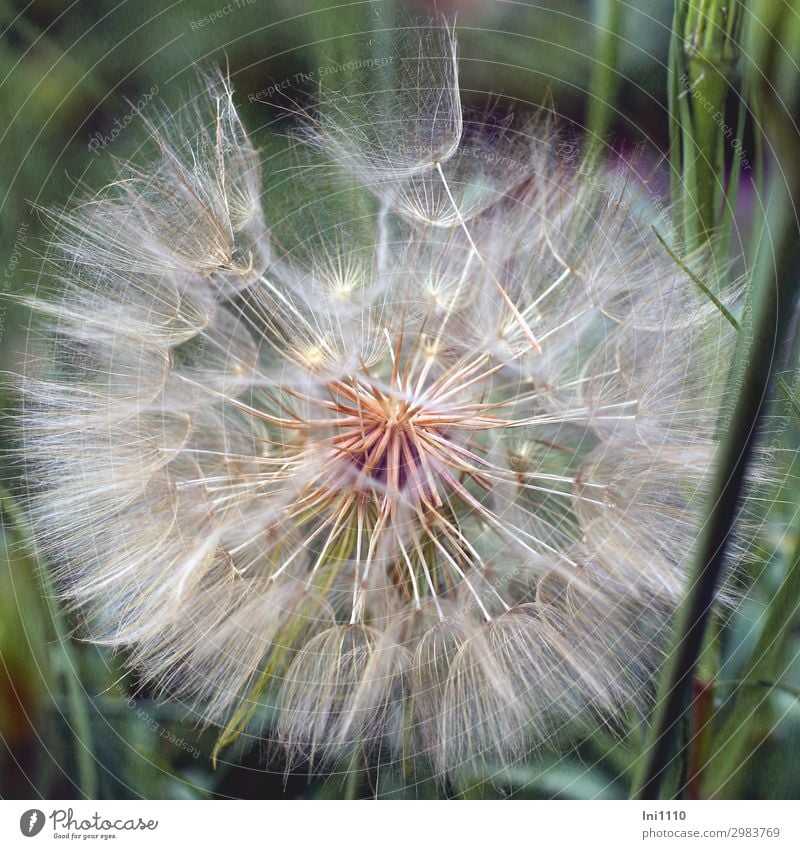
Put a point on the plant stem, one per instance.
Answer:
(766, 663)
(703, 56)
(774, 295)
(605, 77)
(80, 725)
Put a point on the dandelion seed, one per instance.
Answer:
(431, 497)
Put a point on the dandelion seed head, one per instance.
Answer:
(430, 496)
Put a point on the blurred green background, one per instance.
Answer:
(72, 723)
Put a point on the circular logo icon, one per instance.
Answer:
(31, 822)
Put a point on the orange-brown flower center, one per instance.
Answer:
(382, 438)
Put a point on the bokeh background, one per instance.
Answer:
(75, 80)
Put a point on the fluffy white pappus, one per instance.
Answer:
(431, 495)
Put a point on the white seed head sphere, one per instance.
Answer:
(429, 495)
